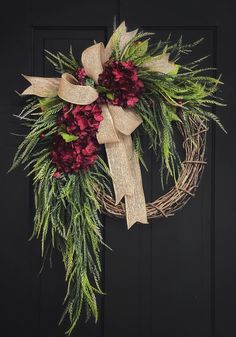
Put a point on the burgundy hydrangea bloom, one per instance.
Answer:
(73, 156)
(80, 75)
(82, 121)
(121, 79)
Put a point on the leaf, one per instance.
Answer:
(101, 89)
(175, 70)
(138, 49)
(89, 81)
(68, 137)
(172, 115)
(142, 48)
(110, 95)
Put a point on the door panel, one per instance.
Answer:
(172, 278)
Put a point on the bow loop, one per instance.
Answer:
(92, 59)
(125, 120)
(70, 91)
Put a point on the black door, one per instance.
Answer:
(173, 278)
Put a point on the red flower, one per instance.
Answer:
(132, 101)
(89, 149)
(82, 121)
(80, 75)
(57, 175)
(73, 156)
(121, 79)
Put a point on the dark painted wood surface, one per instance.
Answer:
(173, 278)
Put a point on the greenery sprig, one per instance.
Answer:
(170, 98)
(67, 210)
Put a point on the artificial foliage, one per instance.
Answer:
(63, 156)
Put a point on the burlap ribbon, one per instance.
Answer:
(114, 131)
(118, 124)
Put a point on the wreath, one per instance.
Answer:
(116, 95)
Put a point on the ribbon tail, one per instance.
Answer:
(135, 203)
(115, 132)
(127, 179)
(120, 169)
(116, 155)
(41, 86)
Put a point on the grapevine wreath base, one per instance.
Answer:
(185, 188)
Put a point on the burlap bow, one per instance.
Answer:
(118, 124)
(114, 131)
